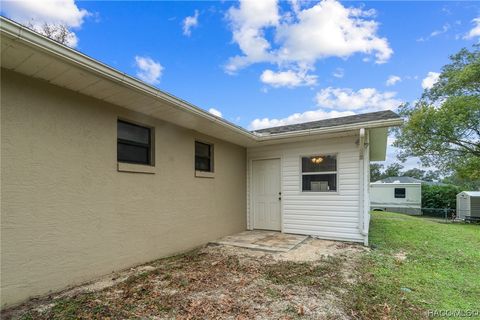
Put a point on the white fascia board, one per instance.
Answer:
(342, 128)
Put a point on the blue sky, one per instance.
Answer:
(270, 63)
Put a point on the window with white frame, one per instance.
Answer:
(319, 173)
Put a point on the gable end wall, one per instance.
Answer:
(326, 215)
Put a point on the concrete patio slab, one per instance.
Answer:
(263, 240)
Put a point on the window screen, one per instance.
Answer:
(400, 192)
(203, 157)
(133, 143)
(319, 173)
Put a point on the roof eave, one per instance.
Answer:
(319, 131)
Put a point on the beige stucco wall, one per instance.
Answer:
(68, 215)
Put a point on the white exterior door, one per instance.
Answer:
(266, 194)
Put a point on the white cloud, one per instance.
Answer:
(435, 33)
(392, 80)
(287, 78)
(215, 112)
(330, 29)
(50, 11)
(446, 10)
(475, 31)
(336, 102)
(297, 118)
(54, 12)
(303, 35)
(444, 29)
(149, 70)
(430, 80)
(415, 77)
(339, 73)
(363, 100)
(189, 23)
(248, 22)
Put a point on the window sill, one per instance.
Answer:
(136, 168)
(320, 192)
(204, 174)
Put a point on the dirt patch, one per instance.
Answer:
(315, 249)
(400, 256)
(215, 282)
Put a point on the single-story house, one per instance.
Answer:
(100, 171)
(397, 194)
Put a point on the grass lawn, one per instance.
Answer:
(416, 265)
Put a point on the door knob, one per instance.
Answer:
(279, 198)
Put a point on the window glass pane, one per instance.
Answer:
(134, 154)
(319, 182)
(400, 192)
(203, 156)
(202, 164)
(319, 163)
(202, 149)
(131, 132)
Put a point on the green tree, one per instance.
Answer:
(415, 173)
(443, 127)
(463, 183)
(376, 172)
(431, 175)
(393, 170)
(420, 174)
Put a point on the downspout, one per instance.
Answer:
(364, 202)
(366, 188)
(361, 147)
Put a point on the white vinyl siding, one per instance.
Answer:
(329, 215)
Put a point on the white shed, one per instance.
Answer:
(468, 204)
(396, 197)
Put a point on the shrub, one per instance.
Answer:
(444, 196)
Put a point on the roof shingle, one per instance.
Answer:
(334, 122)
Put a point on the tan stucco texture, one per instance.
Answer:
(68, 215)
